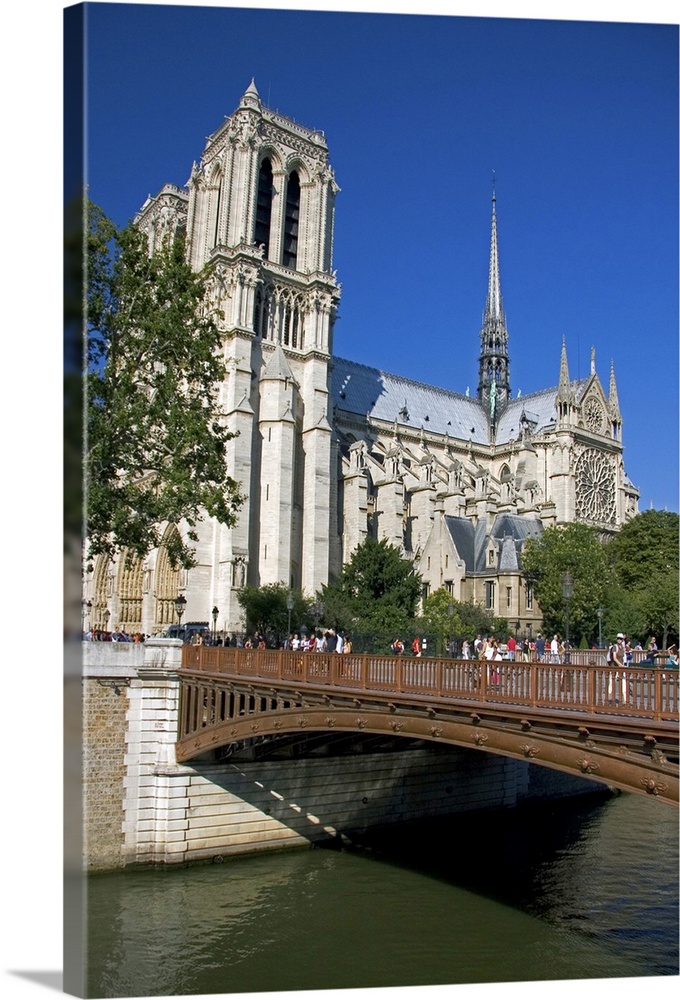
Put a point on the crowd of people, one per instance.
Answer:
(118, 635)
(326, 640)
(620, 653)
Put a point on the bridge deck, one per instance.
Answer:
(642, 693)
(627, 721)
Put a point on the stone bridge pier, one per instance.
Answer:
(140, 807)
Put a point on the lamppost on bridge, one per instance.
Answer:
(215, 614)
(106, 615)
(567, 594)
(317, 610)
(447, 643)
(180, 605)
(290, 604)
(600, 616)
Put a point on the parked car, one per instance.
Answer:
(187, 631)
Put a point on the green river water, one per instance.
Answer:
(585, 889)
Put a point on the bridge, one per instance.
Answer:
(615, 727)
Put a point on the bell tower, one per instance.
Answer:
(261, 207)
(258, 208)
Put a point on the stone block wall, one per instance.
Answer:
(103, 774)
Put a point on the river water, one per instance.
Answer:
(581, 890)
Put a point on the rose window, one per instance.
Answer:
(595, 488)
(594, 417)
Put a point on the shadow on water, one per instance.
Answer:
(606, 868)
(580, 890)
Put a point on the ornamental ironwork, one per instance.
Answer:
(595, 488)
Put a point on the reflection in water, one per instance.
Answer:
(588, 890)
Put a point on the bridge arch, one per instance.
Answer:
(218, 715)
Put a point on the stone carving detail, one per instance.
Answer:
(436, 730)
(653, 786)
(529, 749)
(480, 739)
(595, 488)
(587, 765)
(362, 723)
(397, 726)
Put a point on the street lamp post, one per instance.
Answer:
(317, 609)
(106, 616)
(87, 607)
(290, 604)
(180, 605)
(215, 613)
(600, 616)
(448, 645)
(567, 594)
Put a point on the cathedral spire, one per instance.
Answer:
(494, 376)
(563, 384)
(564, 400)
(494, 301)
(613, 395)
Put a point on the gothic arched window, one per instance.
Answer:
(263, 217)
(291, 222)
(261, 313)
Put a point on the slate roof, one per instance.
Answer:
(366, 391)
(509, 531)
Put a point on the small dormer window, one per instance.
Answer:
(492, 557)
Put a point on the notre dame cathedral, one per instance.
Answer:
(329, 451)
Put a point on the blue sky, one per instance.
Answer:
(578, 120)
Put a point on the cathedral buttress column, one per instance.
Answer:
(276, 426)
(316, 487)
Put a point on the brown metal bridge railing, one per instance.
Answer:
(636, 692)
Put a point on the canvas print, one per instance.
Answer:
(372, 513)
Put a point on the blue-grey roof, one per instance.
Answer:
(370, 391)
(373, 392)
(509, 531)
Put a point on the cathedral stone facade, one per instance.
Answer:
(329, 451)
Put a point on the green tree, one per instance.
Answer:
(377, 591)
(644, 559)
(571, 548)
(647, 544)
(440, 617)
(444, 616)
(266, 609)
(155, 436)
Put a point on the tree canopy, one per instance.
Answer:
(155, 449)
(570, 548)
(377, 591)
(644, 559)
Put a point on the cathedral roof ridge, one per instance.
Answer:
(409, 381)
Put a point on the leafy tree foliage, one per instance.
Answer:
(444, 616)
(377, 590)
(644, 558)
(648, 543)
(573, 548)
(155, 437)
(266, 609)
